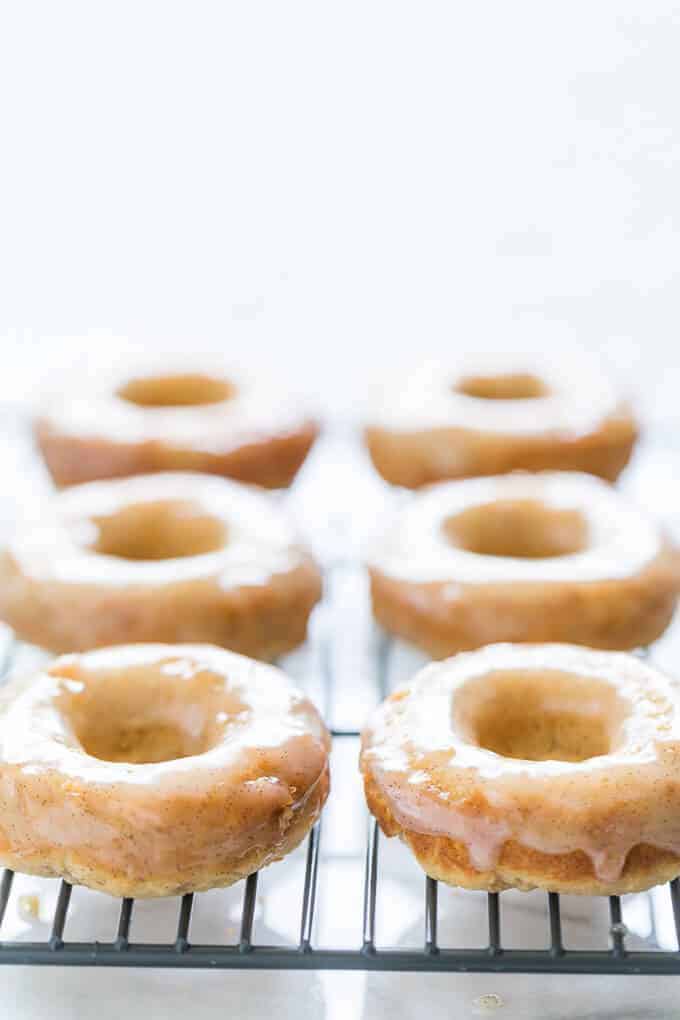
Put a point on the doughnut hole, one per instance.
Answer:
(543, 715)
(158, 531)
(521, 529)
(140, 715)
(176, 391)
(515, 386)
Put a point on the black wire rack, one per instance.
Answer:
(179, 951)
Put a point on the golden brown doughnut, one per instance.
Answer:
(153, 770)
(525, 766)
(167, 557)
(547, 557)
(171, 415)
(490, 415)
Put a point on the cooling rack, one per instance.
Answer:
(439, 951)
(433, 955)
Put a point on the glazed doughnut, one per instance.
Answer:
(153, 770)
(173, 415)
(496, 414)
(527, 766)
(546, 557)
(167, 557)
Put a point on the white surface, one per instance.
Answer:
(332, 188)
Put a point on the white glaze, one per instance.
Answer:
(427, 769)
(260, 542)
(35, 735)
(89, 406)
(580, 397)
(621, 540)
(160, 826)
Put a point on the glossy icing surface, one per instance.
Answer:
(618, 539)
(569, 398)
(61, 545)
(156, 767)
(237, 706)
(98, 405)
(423, 750)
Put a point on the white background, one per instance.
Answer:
(331, 188)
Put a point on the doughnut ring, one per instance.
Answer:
(493, 415)
(164, 417)
(532, 766)
(167, 557)
(547, 557)
(155, 770)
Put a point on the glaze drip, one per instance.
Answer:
(423, 750)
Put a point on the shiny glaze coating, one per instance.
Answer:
(241, 424)
(435, 424)
(111, 563)
(615, 586)
(603, 823)
(152, 770)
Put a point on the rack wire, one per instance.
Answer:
(179, 951)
